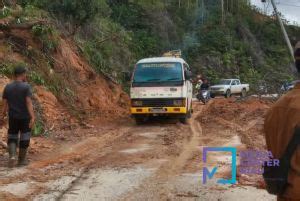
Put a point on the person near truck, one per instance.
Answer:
(17, 101)
(205, 85)
(198, 82)
(280, 124)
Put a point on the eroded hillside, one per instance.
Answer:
(66, 88)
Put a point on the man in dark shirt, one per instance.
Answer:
(17, 100)
(205, 85)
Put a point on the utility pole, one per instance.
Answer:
(286, 37)
(202, 8)
(223, 21)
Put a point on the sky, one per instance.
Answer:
(289, 8)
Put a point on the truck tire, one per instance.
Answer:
(244, 93)
(227, 94)
(140, 119)
(212, 95)
(184, 119)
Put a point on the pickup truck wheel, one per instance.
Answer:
(244, 93)
(212, 95)
(228, 94)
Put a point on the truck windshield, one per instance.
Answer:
(158, 72)
(225, 82)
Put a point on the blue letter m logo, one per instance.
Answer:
(207, 173)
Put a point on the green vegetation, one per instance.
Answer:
(36, 78)
(114, 34)
(47, 36)
(38, 128)
(6, 69)
(4, 12)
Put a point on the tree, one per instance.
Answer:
(74, 11)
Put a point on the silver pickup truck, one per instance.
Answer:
(227, 87)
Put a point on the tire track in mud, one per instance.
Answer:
(85, 152)
(188, 147)
(120, 132)
(157, 184)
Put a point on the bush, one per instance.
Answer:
(6, 69)
(38, 128)
(32, 12)
(76, 12)
(36, 78)
(4, 12)
(47, 36)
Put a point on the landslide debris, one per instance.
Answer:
(67, 89)
(68, 93)
(237, 123)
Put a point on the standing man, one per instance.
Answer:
(17, 101)
(280, 124)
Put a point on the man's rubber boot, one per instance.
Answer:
(22, 157)
(12, 151)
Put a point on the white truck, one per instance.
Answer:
(227, 87)
(161, 86)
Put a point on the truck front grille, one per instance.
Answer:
(157, 102)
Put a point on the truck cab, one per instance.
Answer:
(161, 86)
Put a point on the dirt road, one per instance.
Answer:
(160, 160)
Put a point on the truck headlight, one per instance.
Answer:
(137, 103)
(179, 102)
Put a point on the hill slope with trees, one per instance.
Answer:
(107, 37)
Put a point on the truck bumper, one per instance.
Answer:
(160, 110)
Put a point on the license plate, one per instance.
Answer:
(157, 110)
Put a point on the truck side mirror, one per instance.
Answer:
(126, 76)
(188, 75)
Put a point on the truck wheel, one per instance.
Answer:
(244, 93)
(212, 95)
(183, 119)
(139, 119)
(228, 94)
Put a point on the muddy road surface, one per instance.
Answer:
(160, 160)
